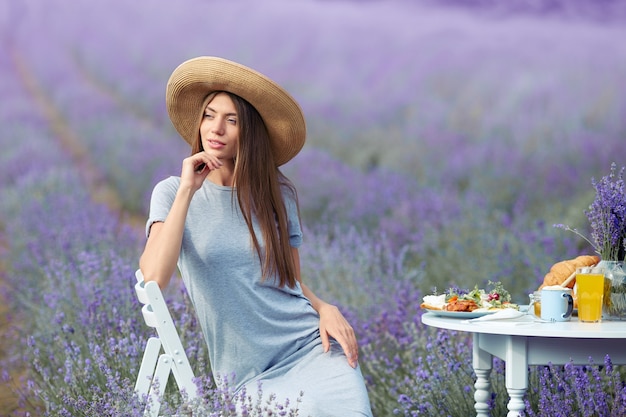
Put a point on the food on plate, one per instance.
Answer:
(561, 271)
(461, 305)
(434, 302)
(476, 300)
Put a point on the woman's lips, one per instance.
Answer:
(216, 144)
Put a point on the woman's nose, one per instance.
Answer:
(218, 127)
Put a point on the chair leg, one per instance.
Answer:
(148, 364)
(161, 375)
(183, 374)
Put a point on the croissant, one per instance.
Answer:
(561, 271)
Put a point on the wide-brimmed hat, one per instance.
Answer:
(194, 79)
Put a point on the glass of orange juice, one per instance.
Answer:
(590, 290)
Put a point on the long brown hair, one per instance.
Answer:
(259, 185)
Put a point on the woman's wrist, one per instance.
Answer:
(324, 306)
(185, 192)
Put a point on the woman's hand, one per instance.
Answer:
(333, 324)
(196, 168)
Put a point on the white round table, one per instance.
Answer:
(526, 341)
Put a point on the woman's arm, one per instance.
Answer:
(332, 322)
(158, 261)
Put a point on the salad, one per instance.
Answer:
(495, 298)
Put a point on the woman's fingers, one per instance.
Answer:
(350, 347)
(333, 324)
(197, 167)
(203, 160)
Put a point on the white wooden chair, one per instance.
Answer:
(156, 366)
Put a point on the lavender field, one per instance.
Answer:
(445, 139)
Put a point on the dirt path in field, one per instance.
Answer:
(100, 190)
(8, 398)
(110, 91)
(67, 139)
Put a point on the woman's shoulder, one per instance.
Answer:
(288, 189)
(168, 185)
(290, 198)
(172, 180)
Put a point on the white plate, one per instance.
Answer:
(461, 314)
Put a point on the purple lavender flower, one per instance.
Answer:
(607, 216)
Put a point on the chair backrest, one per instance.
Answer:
(157, 315)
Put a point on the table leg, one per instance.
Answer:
(482, 362)
(516, 402)
(516, 373)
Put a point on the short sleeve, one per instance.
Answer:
(161, 201)
(293, 218)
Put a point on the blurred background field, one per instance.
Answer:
(444, 141)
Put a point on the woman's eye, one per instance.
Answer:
(232, 121)
(208, 115)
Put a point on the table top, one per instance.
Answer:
(528, 326)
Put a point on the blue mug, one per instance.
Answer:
(557, 303)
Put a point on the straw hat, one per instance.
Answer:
(194, 79)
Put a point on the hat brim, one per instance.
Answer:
(193, 80)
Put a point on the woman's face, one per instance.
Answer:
(219, 129)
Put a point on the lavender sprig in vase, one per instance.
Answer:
(607, 221)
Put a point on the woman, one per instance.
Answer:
(230, 224)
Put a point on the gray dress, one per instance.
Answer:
(255, 330)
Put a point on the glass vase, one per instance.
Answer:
(614, 304)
